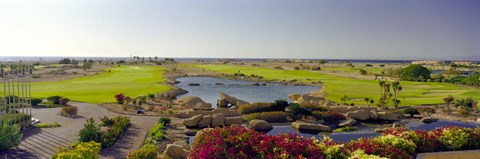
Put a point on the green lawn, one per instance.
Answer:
(414, 93)
(101, 88)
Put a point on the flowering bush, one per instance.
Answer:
(375, 147)
(120, 98)
(454, 138)
(239, 142)
(398, 142)
(360, 154)
(83, 150)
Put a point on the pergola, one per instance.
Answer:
(15, 106)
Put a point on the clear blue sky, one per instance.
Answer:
(243, 28)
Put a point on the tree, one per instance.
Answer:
(344, 99)
(91, 132)
(363, 72)
(86, 66)
(371, 101)
(448, 102)
(396, 90)
(367, 100)
(414, 72)
(65, 61)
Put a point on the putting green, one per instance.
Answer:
(101, 88)
(335, 87)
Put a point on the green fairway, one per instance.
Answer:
(101, 88)
(413, 93)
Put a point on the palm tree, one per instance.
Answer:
(396, 90)
(366, 100)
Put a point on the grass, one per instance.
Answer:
(335, 87)
(101, 88)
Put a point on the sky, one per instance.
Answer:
(331, 29)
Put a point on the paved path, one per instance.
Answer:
(42, 143)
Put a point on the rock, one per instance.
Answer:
(222, 103)
(387, 116)
(428, 120)
(189, 101)
(233, 120)
(256, 84)
(339, 109)
(226, 99)
(172, 81)
(193, 84)
(226, 112)
(241, 102)
(190, 132)
(205, 122)
(175, 92)
(193, 121)
(190, 113)
(219, 84)
(373, 115)
(175, 151)
(233, 108)
(203, 106)
(294, 97)
(359, 115)
(261, 125)
(217, 119)
(183, 114)
(311, 127)
(348, 122)
(182, 143)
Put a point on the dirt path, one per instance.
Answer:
(42, 143)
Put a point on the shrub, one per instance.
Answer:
(332, 117)
(83, 150)
(360, 154)
(239, 142)
(36, 101)
(346, 129)
(114, 132)
(10, 136)
(398, 142)
(11, 98)
(165, 121)
(63, 101)
(294, 110)
(146, 152)
(151, 96)
(69, 111)
(411, 111)
(106, 121)
(464, 110)
(454, 138)
(14, 118)
(120, 98)
(374, 147)
(280, 104)
(47, 125)
(268, 116)
(425, 111)
(313, 107)
(54, 99)
(155, 134)
(90, 132)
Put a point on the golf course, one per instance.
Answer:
(132, 80)
(335, 87)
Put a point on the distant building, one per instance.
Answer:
(464, 63)
(428, 62)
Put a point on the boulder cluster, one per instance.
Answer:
(214, 118)
(194, 102)
(309, 99)
(226, 101)
(365, 113)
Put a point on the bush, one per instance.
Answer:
(454, 138)
(332, 117)
(146, 152)
(36, 101)
(63, 101)
(69, 111)
(47, 125)
(83, 150)
(155, 134)
(374, 147)
(425, 111)
(360, 154)
(239, 142)
(90, 132)
(10, 136)
(313, 107)
(464, 110)
(15, 118)
(54, 99)
(411, 111)
(268, 116)
(165, 121)
(295, 110)
(398, 142)
(120, 98)
(115, 131)
(106, 121)
(11, 98)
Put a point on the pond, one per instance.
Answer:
(365, 130)
(210, 88)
